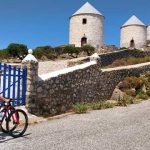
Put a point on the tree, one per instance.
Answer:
(59, 50)
(3, 54)
(72, 51)
(17, 50)
(44, 51)
(88, 49)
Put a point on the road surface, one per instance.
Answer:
(120, 128)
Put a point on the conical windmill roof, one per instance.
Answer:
(133, 21)
(87, 8)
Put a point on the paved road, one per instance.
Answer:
(121, 128)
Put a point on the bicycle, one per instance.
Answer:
(13, 121)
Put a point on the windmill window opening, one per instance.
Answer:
(84, 21)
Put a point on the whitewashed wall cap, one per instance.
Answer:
(95, 56)
(29, 57)
(30, 51)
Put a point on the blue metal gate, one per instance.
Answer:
(13, 83)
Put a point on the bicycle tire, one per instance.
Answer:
(3, 126)
(20, 127)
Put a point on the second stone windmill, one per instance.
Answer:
(134, 33)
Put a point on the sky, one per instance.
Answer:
(46, 22)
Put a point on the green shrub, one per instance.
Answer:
(88, 49)
(129, 100)
(80, 108)
(72, 51)
(97, 105)
(141, 94)
(125, 100)
(45, 51)
(122, 48)
(59, 50)
(107, 105)
(17, 50)
(4, 54)
(121, 102)
(130, 92)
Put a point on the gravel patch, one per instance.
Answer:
(49, 66)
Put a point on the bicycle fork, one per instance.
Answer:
(15, 117)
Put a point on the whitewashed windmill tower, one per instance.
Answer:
(133, 33)
(148, 32)
(87, 27)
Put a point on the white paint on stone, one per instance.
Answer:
(94, 57)
(126, 67)
(29, 57)
(30, 51)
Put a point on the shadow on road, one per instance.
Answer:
(6, 137)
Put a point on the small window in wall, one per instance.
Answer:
(84, 21)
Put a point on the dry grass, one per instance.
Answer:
(129, 61)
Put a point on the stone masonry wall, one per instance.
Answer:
(57, 94)
(108, 58)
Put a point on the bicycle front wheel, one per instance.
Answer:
(19, 120)
(4, 120)
(3, 125)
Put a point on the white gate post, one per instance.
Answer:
(32, 77)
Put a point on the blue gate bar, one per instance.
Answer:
(24, 86)
(18, 92)
(14, 84)
(4, 79)
(9, 80)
